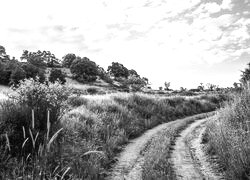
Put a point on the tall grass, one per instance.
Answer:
(94, 130)
(36, 162)
(229, 137)
(105, 123)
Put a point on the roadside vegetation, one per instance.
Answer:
(51, 131)
(45, 134)
(228, 136)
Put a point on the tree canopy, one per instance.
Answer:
(68, 59)
(118, 70)
(84, 70)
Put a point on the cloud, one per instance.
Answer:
(163, 35)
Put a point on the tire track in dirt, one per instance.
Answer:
(188, 158)
(130, 160)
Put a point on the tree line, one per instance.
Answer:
(34, 65)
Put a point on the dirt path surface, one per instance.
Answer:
(130, 160)
(188, 157)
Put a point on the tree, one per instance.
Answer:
(211, 87)
(68, 59)
(3, 56)
(201, 87)
(118, 70)
(182, 89)
(57, 74)
(132, 72)
(245, 77)
(136, 83)
(40, 59)
(17, 75)
(4, 75)
(84, 70)
(31, 70)
(2, 50)
(104, 75)
(167, 85)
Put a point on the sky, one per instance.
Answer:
(184, 42)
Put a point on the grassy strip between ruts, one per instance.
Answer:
(157, 163)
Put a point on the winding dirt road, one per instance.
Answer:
(188, 157)
(130, 160)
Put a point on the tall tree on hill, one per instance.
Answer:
(118, 70)
(68, 59)
(84, 70)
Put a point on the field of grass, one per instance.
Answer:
(106, 122)
(94, 128)
(228, 137)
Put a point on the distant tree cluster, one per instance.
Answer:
(35, 64)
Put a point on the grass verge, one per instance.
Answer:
(228, 137)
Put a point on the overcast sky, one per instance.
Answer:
(184, 42)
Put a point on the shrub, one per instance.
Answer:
(77, 101)
(57, 75)
(32, 95)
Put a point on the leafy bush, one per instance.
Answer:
(57, 75)
(32, 95)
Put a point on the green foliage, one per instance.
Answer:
(68, 59)
(4, 74)
(118, 70)
(133, 72)
(84, 70)
(17, 75)
(136, 83)
(245, 74)
(57, 75)
(104, 75)
(32, 95)
(41, 59)
(2, 50)
(228, 136)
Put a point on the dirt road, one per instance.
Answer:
(188, 157)
(130, 160)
